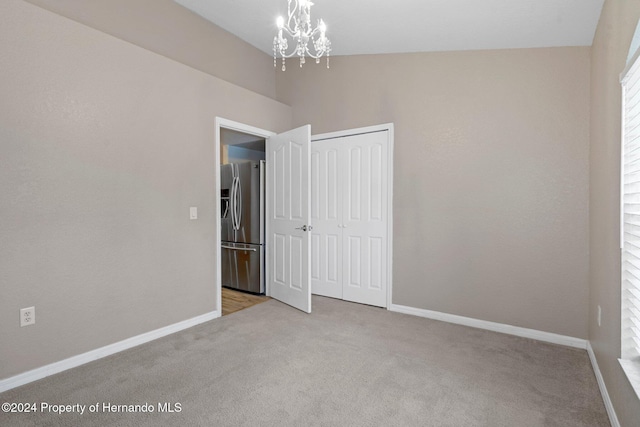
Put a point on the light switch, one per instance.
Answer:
(193, 212)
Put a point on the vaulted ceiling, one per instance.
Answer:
(377, 26)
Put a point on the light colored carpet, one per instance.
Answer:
(344, 365)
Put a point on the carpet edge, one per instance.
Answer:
(493, 326)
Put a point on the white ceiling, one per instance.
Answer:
(377, 26)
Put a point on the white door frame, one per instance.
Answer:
(370, 129)
(239, 127)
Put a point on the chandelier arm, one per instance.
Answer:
(315, 32)
(291, 55)
(317, 56)
(290, 12)
(290, 32)
(284, 54)
(307, 51)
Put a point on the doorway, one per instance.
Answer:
(236, 144)
(286, 243)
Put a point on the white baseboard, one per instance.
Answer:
(613, 418)
(493, 326)
(101, 352)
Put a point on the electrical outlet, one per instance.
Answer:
(27, 316)
(599, 316)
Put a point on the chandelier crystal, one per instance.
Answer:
(298, 30)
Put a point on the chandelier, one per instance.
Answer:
(298, 29)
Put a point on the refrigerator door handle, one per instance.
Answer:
(235, 197)
(235, 187)
(232, 201)
(239, 204)
(238, 249)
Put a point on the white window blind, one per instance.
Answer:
(631, 212)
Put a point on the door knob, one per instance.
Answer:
(305, 228)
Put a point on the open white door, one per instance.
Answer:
(288, 217)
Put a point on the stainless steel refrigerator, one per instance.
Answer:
(242, 234)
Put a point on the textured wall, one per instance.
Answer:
(165, 27)
(491, 174)
(103, 148)
(608, 56)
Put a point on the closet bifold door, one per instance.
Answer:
(326, 236)
(349, 216)
(364, 223)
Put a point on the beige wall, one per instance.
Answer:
(165, 27)
(491, 174)
(104, 146)
(609, 52)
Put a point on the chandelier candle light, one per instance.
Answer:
(298, 29)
